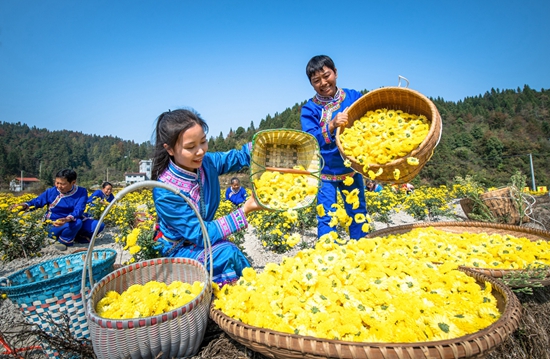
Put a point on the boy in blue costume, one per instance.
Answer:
(321, 116)
(181, 160)
(235, 193)
(66, 204)
(89, 223)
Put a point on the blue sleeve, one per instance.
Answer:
(310, 119)
(40, 201)
(178, 220)
(80, 203)
(227, 193)
(232, 160)
(94, 196)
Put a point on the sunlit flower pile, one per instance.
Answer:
(365, 291)
(383, 135)
(152, 298)
(282, 191)
(470, 249)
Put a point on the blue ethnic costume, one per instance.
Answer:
(180, 233)
(88, 223)
(315, 117)
(61, 205)
(237, 198)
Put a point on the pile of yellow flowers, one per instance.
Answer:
(470, 249)
(282, 191)
(383, 135)
(364, 291)
(150, 299)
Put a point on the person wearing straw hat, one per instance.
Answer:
(66, 204)
(181, 160)
(321, 116)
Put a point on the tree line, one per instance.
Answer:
(488, 136)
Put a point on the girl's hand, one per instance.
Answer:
(251, 205)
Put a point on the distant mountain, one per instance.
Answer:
(488, 136)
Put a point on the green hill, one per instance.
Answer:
(488, 136)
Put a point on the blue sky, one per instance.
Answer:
(111, 67)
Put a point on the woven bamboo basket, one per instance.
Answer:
(477, 227)
(406, 100)
(48, 292)
(281, 150)
(288, 346)
(501, 204)
(174, 334)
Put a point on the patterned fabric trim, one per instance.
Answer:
(231, 223)
(326, 133)
(329, 104)
(186, 181)
(335, 178)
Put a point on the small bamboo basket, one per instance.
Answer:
(175, 334)
(280, 151)
(501, 204)
(274, 344)
(406, 100)
(478, 227)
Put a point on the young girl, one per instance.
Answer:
(181, 160)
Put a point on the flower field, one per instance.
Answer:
(281, 232)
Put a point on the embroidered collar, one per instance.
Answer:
(67, 194)
(329, 105)
(325, 100)
(186, 181)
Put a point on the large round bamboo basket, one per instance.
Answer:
(406, 100)
(279, 345)
(477, 227)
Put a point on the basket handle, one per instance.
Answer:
(120, 195)
(402, 78)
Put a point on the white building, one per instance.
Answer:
(135, 177)
(145, 167)
(144, 173)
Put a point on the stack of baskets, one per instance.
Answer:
(406, 100)
(478, 227)
(282, 150)
(49, 291)
(174, 334)
(500, 203)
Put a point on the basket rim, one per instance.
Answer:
(151, 320)
(78, 255)
(401, 160)
(507, 323)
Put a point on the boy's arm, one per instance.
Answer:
(310, 119)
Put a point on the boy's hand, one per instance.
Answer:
(59, 222)
(341, 119)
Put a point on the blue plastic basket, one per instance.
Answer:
(50, 290)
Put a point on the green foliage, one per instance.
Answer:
(146, 242)
(22, 235)
(523, 281)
